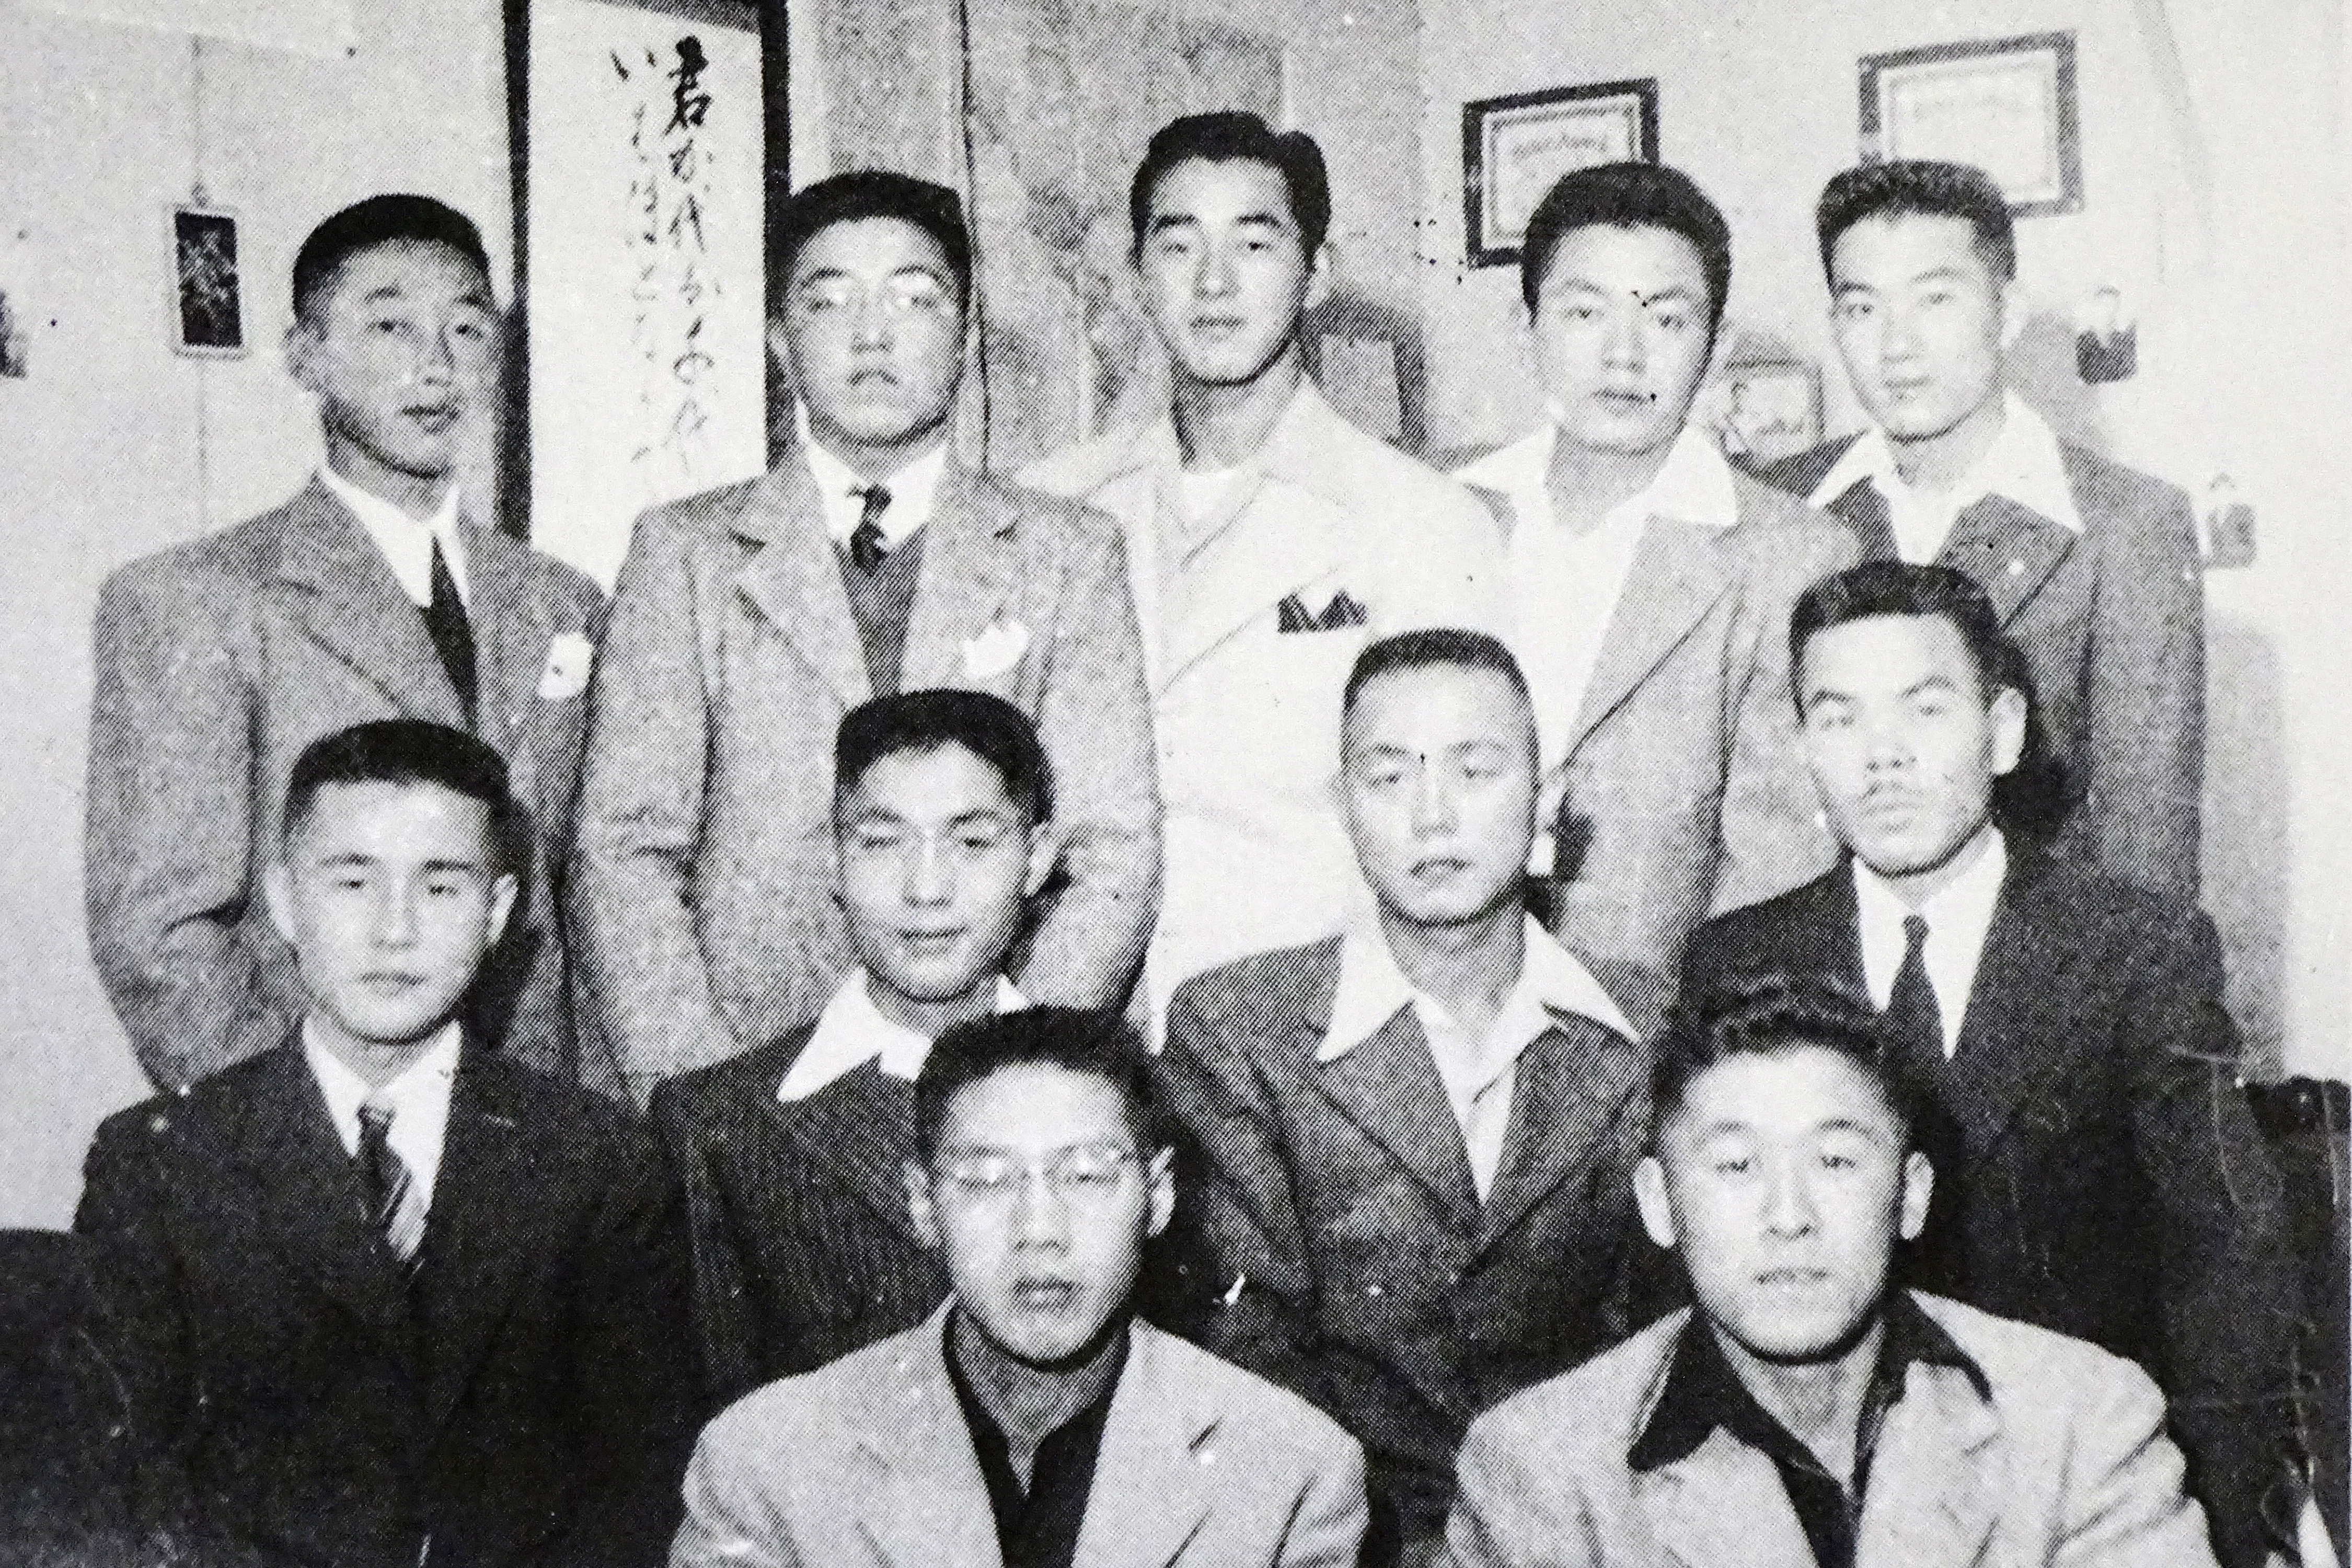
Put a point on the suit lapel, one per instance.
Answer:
(794, 578)
(511, 633)
(1863, 511)
(312, 1205)
(2029, 956)
(1723, 1506)
(969, 568)
(1932, 1498)
(849, 1128)
(1678, 573)
(486, 1224)
(932, 1509)
(1388, 1085)
(354, 607)
(1246, 571)
(1149, 1495)
(1563, 1100)
(2009, 550)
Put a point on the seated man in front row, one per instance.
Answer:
(793, 1154)
(1805, 1413)
(394, 1299)
(1031, 1422)
(1417, 1138)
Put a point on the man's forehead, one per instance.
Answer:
(1797, 1088)
(876, 244)
(1251, 188)
(1907, 243)
(412, 268)
(378, 810)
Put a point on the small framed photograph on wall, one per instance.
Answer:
(2006, 105)
(208, 291)
(1514, 148)
(1766, 409)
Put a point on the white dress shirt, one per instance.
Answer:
(1478, 1073)
(2023, 463)
(405, 541)
(1957, 917)
(418, 1098)
(1563, 585)
(912, 488)
(852, 1031)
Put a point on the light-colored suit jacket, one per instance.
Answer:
(217, 662)
(704, 867)
(2066, 1464)
(1684, 790)
(1349, 533)
(869, 1463)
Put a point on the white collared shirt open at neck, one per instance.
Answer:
(2023, 464)
(853, 1031)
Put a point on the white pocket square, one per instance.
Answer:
(995, 650)
(569, 658)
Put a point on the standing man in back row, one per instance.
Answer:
(750, 619)
(1269, 540)
(2092, 567)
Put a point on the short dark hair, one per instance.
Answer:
(1920, 187)
(1629, 196)
(1424, 649)
(988, 727)
(413, 752)
(1769, 1015)
(1230, 135)
(379, 220)
(862, 194)
(1099, 1045)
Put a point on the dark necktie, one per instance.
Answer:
(1911, 1010)
(1937, 1260)
(393, 1208)
(868, 544)
(452, 633)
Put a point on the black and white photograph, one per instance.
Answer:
(1165, 783)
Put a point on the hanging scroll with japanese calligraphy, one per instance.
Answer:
(644, 263)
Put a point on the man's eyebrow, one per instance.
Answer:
(1161, 221)
(445, 865)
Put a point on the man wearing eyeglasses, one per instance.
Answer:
(1031, 1422)
(749, 619)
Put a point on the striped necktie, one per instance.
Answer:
(396, 1204)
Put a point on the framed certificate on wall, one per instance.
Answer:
(1514, 148)
(2006, 105)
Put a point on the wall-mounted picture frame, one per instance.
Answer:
(1514, 148)
(2006, 105)
(1766, 409)
(207, 297)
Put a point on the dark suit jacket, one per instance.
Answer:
(529, 1401)
(217, 662)
(803, 1247)
(2112, 1185)
(1339, 1195)
(2112, 624)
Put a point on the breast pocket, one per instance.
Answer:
(1287, 692)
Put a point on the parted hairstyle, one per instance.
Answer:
(1228, 135)
(1769, 1015)
(1099, 1045)
(1425, 648)
(1629, 196)
(1920, 187)
(409, 752)
(379, 220)
(988, 727)
(862, 194)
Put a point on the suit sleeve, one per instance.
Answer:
(1327, 1530)
(635, 1398)
(2144, 757)
(168, 836)
(1247, 1282)
(2122, 1505)
(641, 820)
(733, 1519)
(1510, 1513)
(2229, 1288)
(722, 1327)
(1773, 835)
(1095, 721)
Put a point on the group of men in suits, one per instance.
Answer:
(398, 837)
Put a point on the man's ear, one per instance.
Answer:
(2013, 313)
(2007, 711)
(1044, 853)
(302, 347)
(1322, 271)
(502, 902)
(277, 893)
(921, 1211)
(1161, 1178)
(1651, 1197)
(779, 345)
(1918, 1182)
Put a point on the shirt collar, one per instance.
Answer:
(1693, 485)
(1702, 1393)
(852, 1031)
(424, 1086)
(1300, 449)
(405, 540)
(913, 490)
(2023, 464)
(1373, 989)
(1960, 912)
